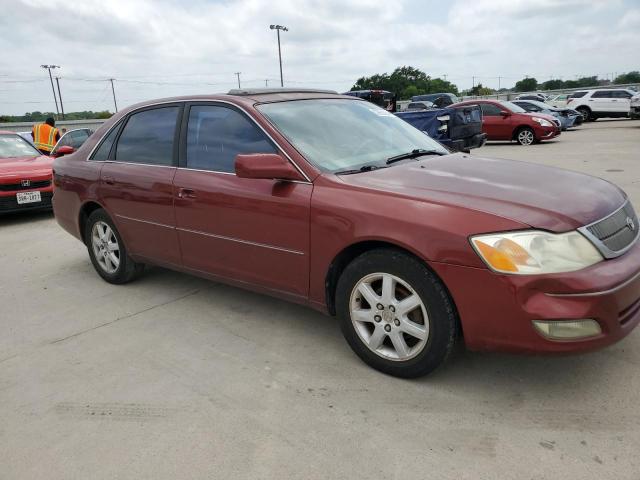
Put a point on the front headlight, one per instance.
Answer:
(542, 121)
(531, 252)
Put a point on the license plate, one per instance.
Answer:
(28, 197)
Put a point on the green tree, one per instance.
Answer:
(526, 85)
(480, 90)
(551, 85)
(406, 82)
(631, 77)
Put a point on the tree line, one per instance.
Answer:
(408, 81)
(42, 116)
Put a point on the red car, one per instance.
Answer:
(332, 202)
(502, 120)
(25, 175)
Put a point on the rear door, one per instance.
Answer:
(601, 101)
(136, 184)
(494, 124)
(249, 230)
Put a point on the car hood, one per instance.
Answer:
(10, 167)
(542, 197)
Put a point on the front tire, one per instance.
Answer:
(107, 250)
(526, 136)
(395, 313)
(587, 115)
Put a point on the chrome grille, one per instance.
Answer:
(616, 233)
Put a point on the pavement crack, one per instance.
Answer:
(125, 317)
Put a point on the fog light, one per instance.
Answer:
(567, 329)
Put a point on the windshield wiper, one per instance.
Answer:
(418, 152)
(364, 168)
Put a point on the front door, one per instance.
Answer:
(496, 125)
(136, 184)
(601, 101)
(253, 231)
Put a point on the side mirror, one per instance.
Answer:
(266, 166)
(505, 114)
(64, 150)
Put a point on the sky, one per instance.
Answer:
(160, 48)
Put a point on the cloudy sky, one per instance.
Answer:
(157, 48)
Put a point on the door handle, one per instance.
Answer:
(186, 193)
(108, 180)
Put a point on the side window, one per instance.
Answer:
(103, 151)
(489, 110)
(215, 135)
(577, 94)
(621, 94)
(78, 138)
(602, 94)
(148, 137)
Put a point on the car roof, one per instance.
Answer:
(249, 96)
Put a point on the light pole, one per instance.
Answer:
(49, 68)
(277, 28)
(60, 96)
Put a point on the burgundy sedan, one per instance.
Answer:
(332, 202)
(25, 175)
(502, 120)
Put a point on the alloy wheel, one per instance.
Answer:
(526, 137)
(105, 247)
(389, 316)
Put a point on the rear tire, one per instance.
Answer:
(526, 136)
(107, 250)
(415, 330)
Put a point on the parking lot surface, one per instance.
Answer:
(177, 377)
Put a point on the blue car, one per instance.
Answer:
(565, 116)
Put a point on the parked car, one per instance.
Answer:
(457, 128)
(439, 100)
(634, 112)
(602, 103)
(25, 175)
(335, 203)
(540, 97)
(565, 115)
(382, 98)
(423, 105)
(502, 120)
(558, 100)
(72, 138)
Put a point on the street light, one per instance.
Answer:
(277, 28)
(49, 68)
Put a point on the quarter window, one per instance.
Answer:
(148, 137)
(215, 135)
(103, 151)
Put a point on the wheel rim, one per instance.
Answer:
(389, 316)
(525, 137)
(105, 247)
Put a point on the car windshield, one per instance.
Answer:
(16, 146)
(340, 134)
(512, 107)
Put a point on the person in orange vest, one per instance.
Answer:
(45, 136)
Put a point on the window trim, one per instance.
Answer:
(182, 162)
(176, 134)
(119, 124)
(99, 143)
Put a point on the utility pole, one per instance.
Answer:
(473, 82)
(445, 77)
(60, 96)
(237, 74)
(49, 67)
(277, 28)
(114, 94)
(499, 78)
(266, 82)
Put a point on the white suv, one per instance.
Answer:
(594, 104)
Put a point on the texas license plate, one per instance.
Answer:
(28, 197)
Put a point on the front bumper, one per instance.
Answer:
(547, 133)
(634, 112)
(497, 310)
(9, 202)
